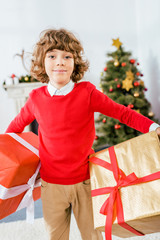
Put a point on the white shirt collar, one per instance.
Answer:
(63, 91)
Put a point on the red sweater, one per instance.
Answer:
(67, 130)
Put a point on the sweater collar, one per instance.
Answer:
(62, 91)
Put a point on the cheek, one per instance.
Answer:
(72, 66)
(47, 65)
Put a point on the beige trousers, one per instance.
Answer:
(57, 202)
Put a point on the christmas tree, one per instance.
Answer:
(121, 81)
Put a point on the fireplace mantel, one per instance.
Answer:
(20, 92)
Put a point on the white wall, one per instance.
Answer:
(95, 22)
(148, 34)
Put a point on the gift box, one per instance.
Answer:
(19, 168)
(125, 184)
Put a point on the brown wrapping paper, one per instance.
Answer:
(141, 203)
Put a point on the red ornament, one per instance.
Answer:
(137, 63)
(136, 84)
(96, 137)
(141, 75)
(137, 73)
(132, 61)
(116, 79)
(118, 85)
(104, 120)
(13, 76)
(111, 89)
(117, 126)
(130, 106)
(146, 89)
(105, 69)
(123, 64)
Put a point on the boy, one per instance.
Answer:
(65, 112)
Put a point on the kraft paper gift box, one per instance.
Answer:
(19, 168)
(125, 184)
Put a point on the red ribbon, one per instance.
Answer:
(114, 204)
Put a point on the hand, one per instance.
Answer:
(158, 131)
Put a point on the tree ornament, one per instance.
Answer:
(146, 89)
(137, 73)
(117, 126)
(111, 89)
(142, 83)
(127, 84)
(116, 79)
(123, 64)
(26, 79)
(136, 94)
(137, 63)
(130, 75)
(96, 137)
(118, 85)
(136, 84)
(101, 73)
(132, 61)
(116, 63)
(142, 75)
(116, 43)
(13, 75)
(105, 69)
(130, 106)
(138, 111)
(104, 120)
(102, 90)
(150, 114)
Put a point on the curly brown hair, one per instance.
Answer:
(57, 39)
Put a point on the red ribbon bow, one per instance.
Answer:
(113, 205)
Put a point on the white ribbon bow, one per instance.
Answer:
(27, 200)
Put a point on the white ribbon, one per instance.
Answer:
(27, 200)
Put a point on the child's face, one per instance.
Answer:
(59, 66)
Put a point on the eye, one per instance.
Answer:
(51, 56)
(67, 57)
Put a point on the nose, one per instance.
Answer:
(60, 61)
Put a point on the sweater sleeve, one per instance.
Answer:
(24, 118)
(103, 104)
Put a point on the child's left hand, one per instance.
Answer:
(158, 131)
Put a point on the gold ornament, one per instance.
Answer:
(127, 84)
(116, 63)
(130, 75)
(136, 94)
(150, 114)
(26, 79)
(116, 43)
(101, 73)
(142, 83)
(138, 110)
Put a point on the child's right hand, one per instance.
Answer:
(158, 132)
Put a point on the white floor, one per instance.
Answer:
(20, 230)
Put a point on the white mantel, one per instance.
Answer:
(20, 92)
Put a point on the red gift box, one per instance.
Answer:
(19, 167)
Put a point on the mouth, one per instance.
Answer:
(60, 71)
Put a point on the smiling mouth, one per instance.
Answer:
(60, 71)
